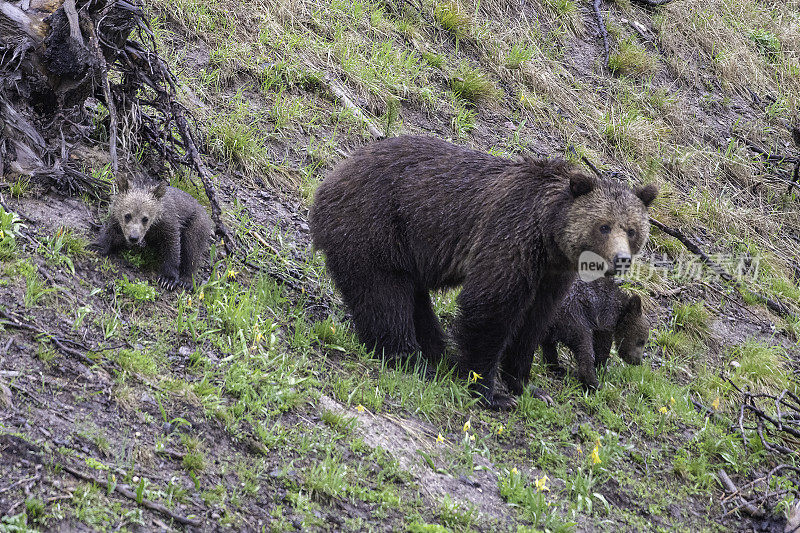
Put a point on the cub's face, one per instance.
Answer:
(632, 332)
(609, 220)
(136, 209)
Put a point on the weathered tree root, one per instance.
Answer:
(601, 27)
(61, 344)
(131, 495)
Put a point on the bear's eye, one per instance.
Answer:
(128, 217)
(144, 220)
(631, 233)
(605, 228)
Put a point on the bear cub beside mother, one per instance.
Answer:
(407, 215)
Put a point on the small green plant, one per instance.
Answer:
(464, 121)
(10, 227)
(473, 85)
(327, 478)
(518, 55)
(137, 361)
(194, 461)
(693, 318)
(35, 289)
(766, 42)
(631, 59)
(34, 508)
(21, 187)
(138, 291)
(456, 514)
(760, 365)
(449, 16)
(581, 490)
(62, 247)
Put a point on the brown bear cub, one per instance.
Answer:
(591, 316)
(164, 218)
(406, 215)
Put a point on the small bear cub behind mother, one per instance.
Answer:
(407, 215)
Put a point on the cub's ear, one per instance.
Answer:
(160, 190)
(580, 184)
(647, 194)
(634, 306)
(122, 183)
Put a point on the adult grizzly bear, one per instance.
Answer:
(591, 317)
(406, 215)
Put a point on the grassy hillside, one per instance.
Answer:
(249, 404)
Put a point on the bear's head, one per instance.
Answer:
(137, 208)
(632, 331)
(606, 219)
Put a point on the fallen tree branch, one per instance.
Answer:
(128, 493)
(341, 95)
(652, 3)
(601, 27)
(726, 481)
(16, 322)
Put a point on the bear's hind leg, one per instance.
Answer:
(430, 336)
(383, 313)
(195, 241)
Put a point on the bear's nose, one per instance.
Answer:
(622, 263)
(133, 239)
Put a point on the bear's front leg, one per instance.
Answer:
(170, 251)
(601, 345)
(482, 331)
(582, 347)
(110, 240)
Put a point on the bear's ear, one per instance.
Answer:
(160, 190)
(580, 184)
(634, 306)
(121, 183)
(647, 194)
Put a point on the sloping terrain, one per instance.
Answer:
(249, 404)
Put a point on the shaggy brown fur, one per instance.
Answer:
(591, 316)
(165, 218)
(406, 215)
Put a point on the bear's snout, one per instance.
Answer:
(621, 263)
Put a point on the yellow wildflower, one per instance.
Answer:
(715, 404)
(663, 409)
(201, 296)
(474, 376)
(231, 274)
(439, 438)
(580, 450)
(500, 429)
(467, 426)
(360, 408)
(596, 455)
(541, 484)
(472, 437)
(671, 401)
(189, 301)
(514, 471)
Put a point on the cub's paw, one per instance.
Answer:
(99, 248)
(591, 383)
(169, 283)
(501, 402)
(541, 394)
